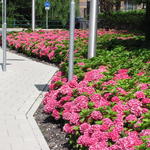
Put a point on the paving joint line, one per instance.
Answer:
(31, 120)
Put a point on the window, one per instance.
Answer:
(129, 5)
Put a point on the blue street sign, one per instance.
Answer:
(47, 4)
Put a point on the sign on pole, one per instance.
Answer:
(92, 29)
(47, 4)
(4, 33)
(71, 45)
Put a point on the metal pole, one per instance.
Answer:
(4, 32)
(46, 19)
(33, 15)
(71, 45)
(92, 29)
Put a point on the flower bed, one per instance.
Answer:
(106, 105)
(50, 45)
(102, 112)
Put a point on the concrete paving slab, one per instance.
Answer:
(19, 99)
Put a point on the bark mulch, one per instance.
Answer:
(52, 130)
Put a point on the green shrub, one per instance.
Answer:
(128, 20)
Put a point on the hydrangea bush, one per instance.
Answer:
(106, 105)
(50, 45)
(102, 111)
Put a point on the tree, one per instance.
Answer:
(106, 6)
(117, 5)
(147, 18)
(21, 11)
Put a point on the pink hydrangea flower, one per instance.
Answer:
(83, 84)
(146, 100)
(68, 128)
(131, 118)
(99, 146)
(93, 75)
(81, 64)
(96, 115)
(66, 98)
(66, 115)
(56, 114)
(85, 140)
(143, 86)
(145, 110)
(140, 94)
(102, 68)
(141, 73)
(122, 74)
(86, 89)
(115, 99)
(81, 102)
(120, 108)
(114, 135)
(50, 106)
(135, 106)
(65, 89)
(72, 83)
(84, 127)
(108, 122)
(122, 91)
(99, 101)
(148, 62)
(107, 95)
(51, 55)
(110, 82)
(130, 141)
(145, 132)
(74, 118)
(123, 71)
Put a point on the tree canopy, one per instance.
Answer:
(21, 10)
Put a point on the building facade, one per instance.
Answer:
(83, 7)
(125, 6)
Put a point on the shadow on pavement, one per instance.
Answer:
(15, 60)
(42, 87)
(1, 65)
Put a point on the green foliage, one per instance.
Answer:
(130, 20)
(19, 12)
(115, 51)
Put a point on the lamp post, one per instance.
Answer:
(92, 29)
(71, 45)
(4, 32)
(33, 15)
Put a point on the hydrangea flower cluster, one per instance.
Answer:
(104, 117)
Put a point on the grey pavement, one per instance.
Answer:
(13, 29)
(20, 95)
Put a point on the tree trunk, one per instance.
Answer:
(118, 5)
(147, 21)
(106, 6)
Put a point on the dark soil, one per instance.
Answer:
(52, 130)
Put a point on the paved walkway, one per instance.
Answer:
(20, 94)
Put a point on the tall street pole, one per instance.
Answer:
(71, 45)
(33, 15)
(92, 29)
(4, 32)
(47, 9)
(46, 19)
